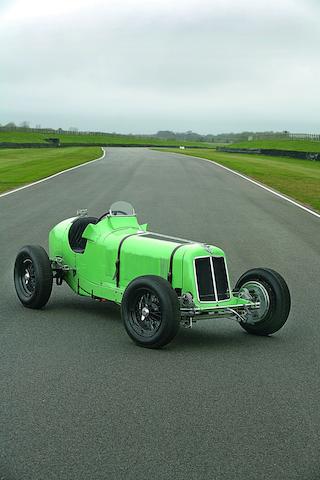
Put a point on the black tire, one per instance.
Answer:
(162, 315)
(277, 305)
(33, 276)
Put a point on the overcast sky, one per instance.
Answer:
(146, 65)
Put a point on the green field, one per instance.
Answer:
(281, 144)
(21, 166)
(299, 179)
(16, 136)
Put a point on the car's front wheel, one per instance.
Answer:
(269, 288)
(33, 276)
(150, 311)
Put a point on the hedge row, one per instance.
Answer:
(48, 145)
(273, 152)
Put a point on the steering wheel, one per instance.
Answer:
(118, 212)
(114, 212)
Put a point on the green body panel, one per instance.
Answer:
(59, 245)
(92, 273)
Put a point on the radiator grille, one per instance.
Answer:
(220, 273)
(211, 288)
(204, 280)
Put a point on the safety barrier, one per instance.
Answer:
(273, 152)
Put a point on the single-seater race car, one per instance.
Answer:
(161, 282)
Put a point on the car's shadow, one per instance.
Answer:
(218, 334)
(84, 306)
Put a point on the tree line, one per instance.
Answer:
(189, 135)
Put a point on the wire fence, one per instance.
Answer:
(52, 131)
(223, 138)
(305, 136)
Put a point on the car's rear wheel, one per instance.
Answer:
(33, 276)
(269, 288)
(150, 311)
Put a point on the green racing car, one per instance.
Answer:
(161, 282)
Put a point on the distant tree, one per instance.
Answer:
(165, 134)
(38, 125)
(73, 129)
(10, 125)
(24, 124)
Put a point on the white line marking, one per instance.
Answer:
(54, 175)
(270, 190)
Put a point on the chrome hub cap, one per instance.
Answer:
(255, 292)
(144, 313)
(27, 277)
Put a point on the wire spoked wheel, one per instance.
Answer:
(150, 311)
(33, 276)
(145, 315)
(26, 276)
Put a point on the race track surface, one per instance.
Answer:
(79, 401)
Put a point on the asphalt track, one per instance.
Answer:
(80, 401)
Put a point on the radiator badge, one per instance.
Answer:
(208, 248)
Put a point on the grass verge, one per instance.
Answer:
(25, 165)
(299, 179)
